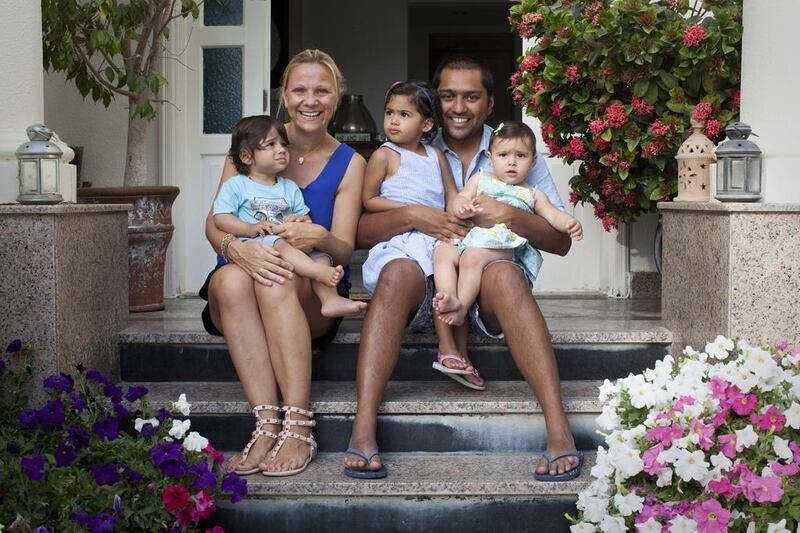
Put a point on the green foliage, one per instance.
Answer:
(112, 47)
(656, 60)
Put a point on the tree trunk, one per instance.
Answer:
(136, 157)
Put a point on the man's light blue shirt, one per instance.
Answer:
(539, 176)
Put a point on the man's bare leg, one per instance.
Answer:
(400, 292)
(528, 340)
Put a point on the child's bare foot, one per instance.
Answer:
(454, 318)
(339, 306)
(444, 302)
(330, 276)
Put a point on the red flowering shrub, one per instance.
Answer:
(614, 84)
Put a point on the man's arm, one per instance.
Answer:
(378, 227)
(536, 229)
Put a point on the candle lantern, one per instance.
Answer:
(738, 166)
(695, 156)
(39, 168)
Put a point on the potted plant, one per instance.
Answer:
(112, 48)
(615, 84)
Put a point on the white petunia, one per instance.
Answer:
(720, 348)
(583, 527)
(609, 419)
(721, 461)
(651, 526)
(691, 465)
(613, 524)
(602, 467)
(194, 442)
(779, 527)
(664, 477)
(182, 405)
(139, 423)
(607, 390)
(781, 447)
(795, 381)
(792, 415)
(179, 428)
(629, 503)
(744, 379)
(627, 460)
(760, 363)
(594, 508)
(682, 524)
(745, 437)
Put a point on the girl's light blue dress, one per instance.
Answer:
(418, 181)
(499, 236)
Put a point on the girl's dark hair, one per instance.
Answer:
(424, 99)
(247, 136)
(513, 129)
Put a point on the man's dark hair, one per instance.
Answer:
(465, 63)
(247, 136)
(424, 99)
(513, 129)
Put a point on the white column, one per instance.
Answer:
(770, 77)
(21, 84)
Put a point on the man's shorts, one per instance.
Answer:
(423, 319)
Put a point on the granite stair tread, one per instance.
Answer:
(416, 474)
(401, 397)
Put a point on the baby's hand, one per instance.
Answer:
(262, 228)
(468, 210)
(574, 229)
(296, 218)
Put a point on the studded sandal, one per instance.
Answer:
(258, 433)
(287, 432)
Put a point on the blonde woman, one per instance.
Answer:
(268, 314)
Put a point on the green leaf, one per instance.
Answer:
(668, 79)
(110, 75)
(607, 135)
(708, 83)
(652, 94)
(623, 174)
(641, 87)
(632, 144)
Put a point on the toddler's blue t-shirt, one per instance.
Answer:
(252, 202)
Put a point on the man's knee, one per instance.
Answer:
(505, 278)
(400, 275)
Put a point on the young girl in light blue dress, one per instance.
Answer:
(458, 269)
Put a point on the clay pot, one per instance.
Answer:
(149, 233)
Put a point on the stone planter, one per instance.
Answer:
(149, 233)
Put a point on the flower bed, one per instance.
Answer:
(73, 464)
(707, 442)
(614, 84)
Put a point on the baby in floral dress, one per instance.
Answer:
(458, 267)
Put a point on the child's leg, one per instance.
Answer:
(334, 305)
(470, 270)
(445, 277)
(322, 272)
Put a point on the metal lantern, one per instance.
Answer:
(39, 168)
(738, 166)
(695, 156)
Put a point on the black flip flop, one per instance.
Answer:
(566, 476)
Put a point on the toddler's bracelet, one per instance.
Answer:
(227, 239)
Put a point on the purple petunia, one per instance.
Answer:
(96, 376)
(120, 411)
(80, 517)
(33, 467)
(77, 401)
(162, 414)
(117, 506)
(135, 392)
(27, 418)
(168, 457)
(64, 454)
(204, 478)
(235, 485)
(102, 523)
(133, 476)
(62, 382)
(14, 346)
(112, 392)
(147, 431)
(51, 415)
(41, 529)
(107, 428)
(79, 438)
(105, 473)
(2, 364)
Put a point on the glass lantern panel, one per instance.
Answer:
(754, 175)
(29, 176)
(738, 174)
(222, 89)
(49, 175)
(225, 13)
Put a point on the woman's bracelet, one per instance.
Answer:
(227, 239)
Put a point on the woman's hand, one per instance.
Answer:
(439, 224)
(262, 263)
(303, 236)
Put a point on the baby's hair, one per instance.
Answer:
(424, 99)
(247, 136)
(513, 129)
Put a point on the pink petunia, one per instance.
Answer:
(711, 517)
(724, 487)
(650, 459)
(742, 404)
(762, 489)
(720, 417)
(728, 445)
(704, 432)
(781, 469)
(770, 420)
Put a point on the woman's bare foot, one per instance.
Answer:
(293, 454)
(339, 306)
(257, 451)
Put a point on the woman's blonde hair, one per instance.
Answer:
(315, 56)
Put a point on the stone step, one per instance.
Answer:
(337, 361)
(424, 492)
(414, 416)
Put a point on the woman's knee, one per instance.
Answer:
(279, 292)
(230, 283)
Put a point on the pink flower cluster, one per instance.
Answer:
(531, 62)
(713, 127)
(654, 148)
(515, 79)
(177, 498)
(736, 97)
(597, 126)
(555, 108)
(573, 74)
(577, 148)
(641, 107)
(563, 32)
(538, 85)
(659, 129)
(694, 35)
(702, 111)
(616, 115)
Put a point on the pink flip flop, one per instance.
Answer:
(439, 365)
